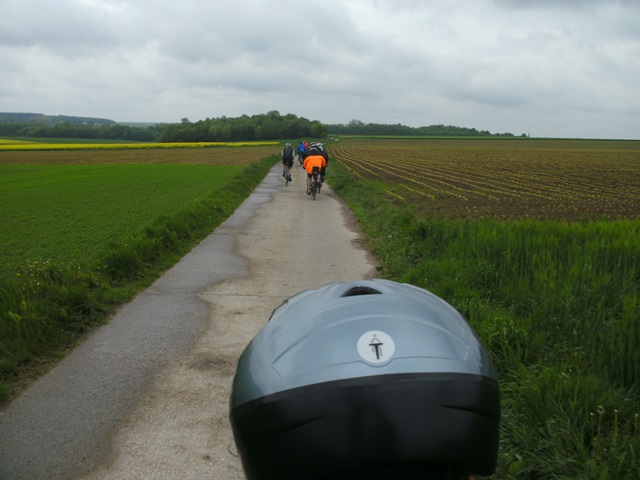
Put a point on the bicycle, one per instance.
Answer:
(286, 172)
(315, 184)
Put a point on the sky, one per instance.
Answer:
(545, 68)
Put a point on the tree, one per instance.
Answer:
(269, 126)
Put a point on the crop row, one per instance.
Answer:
(503, 179)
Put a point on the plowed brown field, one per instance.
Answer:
(503, 178)
(209, 156)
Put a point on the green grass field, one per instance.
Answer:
(82, 237)
(68, 213)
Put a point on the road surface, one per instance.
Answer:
(146, 396)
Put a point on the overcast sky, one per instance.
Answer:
(548, 68)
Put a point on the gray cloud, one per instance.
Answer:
(551, 68)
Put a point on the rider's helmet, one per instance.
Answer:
(365, 379)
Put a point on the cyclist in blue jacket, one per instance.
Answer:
(301, 152)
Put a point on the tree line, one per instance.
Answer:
(268, 126)
(356, 127)
(65, 129)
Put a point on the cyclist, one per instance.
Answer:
(323, 151)
(287, 160)
(314, 159)
(301, 150)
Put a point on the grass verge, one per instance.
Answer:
(557, 306)
(46, 306)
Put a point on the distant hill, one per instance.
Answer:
(41, 119)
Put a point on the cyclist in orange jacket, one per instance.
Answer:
(314, 159)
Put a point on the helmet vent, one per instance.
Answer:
(357, 291)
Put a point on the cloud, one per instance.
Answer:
(565, 67)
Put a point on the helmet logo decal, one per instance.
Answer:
(376, 347)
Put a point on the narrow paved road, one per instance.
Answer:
(147, 395)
